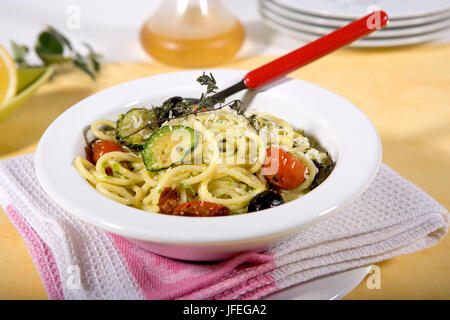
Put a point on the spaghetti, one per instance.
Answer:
(225, 166)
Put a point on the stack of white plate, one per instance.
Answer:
(411, 21)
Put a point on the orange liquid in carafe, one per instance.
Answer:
(197, 41)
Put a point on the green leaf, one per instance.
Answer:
(83, 64)
(53, 47)
(93, 57)
(94, 62)
(49, 45)
(19, 52)
(61, 38)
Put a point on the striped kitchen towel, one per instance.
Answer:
(78, 261)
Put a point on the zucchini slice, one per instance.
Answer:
(131, 122)
(167, 146)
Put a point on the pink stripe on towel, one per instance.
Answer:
(40, 253)
(164, 278)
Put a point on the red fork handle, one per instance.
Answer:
(316, 49)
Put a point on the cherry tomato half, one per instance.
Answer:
(201, 209)
(283, 169)
(100, 147)
(168, 200)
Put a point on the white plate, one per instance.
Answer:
(337, 23)
(344, 131)
(363, 43)
(353, 9)
(331, 287)
(385, 33)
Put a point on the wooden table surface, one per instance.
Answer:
(404, 91)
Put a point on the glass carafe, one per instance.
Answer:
(192, 33)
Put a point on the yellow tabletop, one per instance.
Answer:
(404, 91)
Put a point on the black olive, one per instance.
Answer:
(265, 200)
(173, 101)
(173, 110)
(177, 105)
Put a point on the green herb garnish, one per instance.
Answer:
(115, 168)
(209, 82)
(188, 187)
(172, 109)
(211, 87)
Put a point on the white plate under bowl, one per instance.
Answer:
(331, 287)
(354, 9)
(337, 23)
(340, 127)
(384, 33)
(363, 43)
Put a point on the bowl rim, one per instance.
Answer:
(359, 161)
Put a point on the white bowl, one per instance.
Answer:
(339, 126)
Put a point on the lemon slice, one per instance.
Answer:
(26, 76)
(32, 80)
(8, 76)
